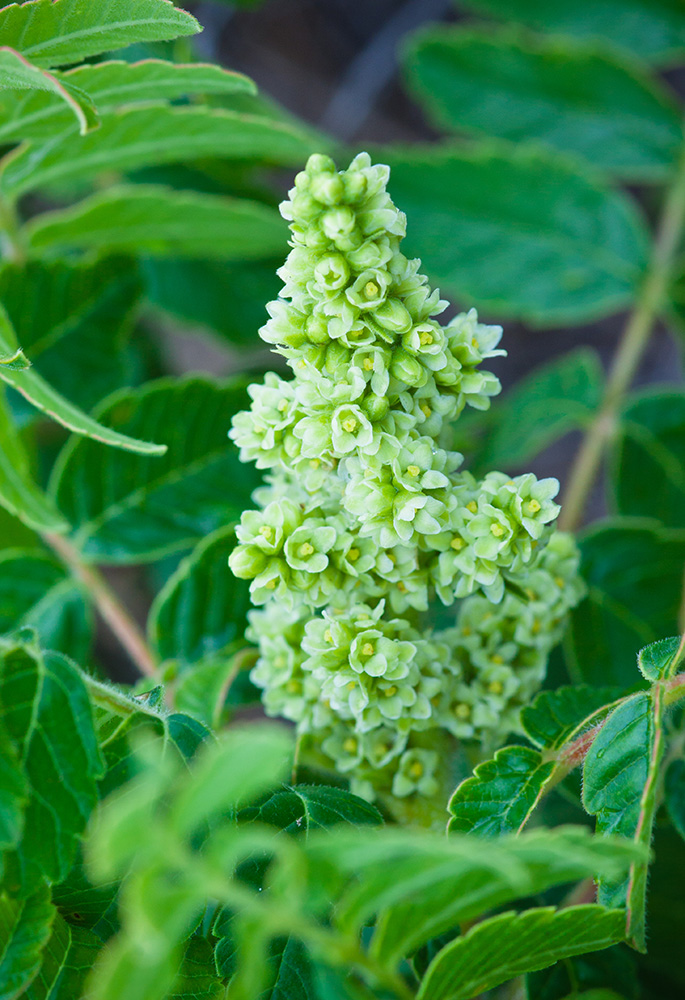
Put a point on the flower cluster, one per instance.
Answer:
(367, 515)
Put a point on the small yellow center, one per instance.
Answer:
(367, 649)
(314, 463)
(283, 405)
(536, 627)
(413, 470)
(530, 593)
(497, 530)
(495, 687)
(293, 687)
(389, 692)
(474, 342)
(267, 532)
(425, 409)
(533, 506)
(371, 289)
(353, 555)
(497, 659)
(559, 580)
(462, 711)
(472, 506)
(351, 686)
(457, 543)
(306, 549)
(328, 636)
(280, 662)
(349, 425)
(350, 745)
(426, 338)
(367, 364)
(416, 770)
(401, 587)
(270, 585)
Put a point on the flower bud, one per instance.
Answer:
(319, 163)
(338, 222)
(327, 188)
(375, 406)
(247, 561)
(355, 185)
(407, 369)
(317, 329)
(392, 316)
(332, 272)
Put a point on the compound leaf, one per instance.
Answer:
(567, 98)
(520, 233)
(56, 34)
(158, 221)
(512, 944)
(128, 508)
(502, 793)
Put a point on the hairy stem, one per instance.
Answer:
(631, 348)
(110, 608)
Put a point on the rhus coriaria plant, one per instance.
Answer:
(368, 516)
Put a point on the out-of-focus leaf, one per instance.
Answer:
(18, 493)
(634, 572)
(128, 508)
(501, 794)
(110, 85)
(41, 394)
(17, 73)
(157, 221)
(674, 794)
(554, 399)
(56, 34)
(648, 462)
(141, 136)
(36, 591)
(74, 321)
(511, 944)
(650, 30)
(203, 607)
(604, 975)
(568, 98)
(47, 712)
(198, 291)
(303, 808)
(520, 233)
(24, 929)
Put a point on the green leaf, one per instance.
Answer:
(651, 29)
(46, 711)
(17, 73)
(55, 34)
(430, 888)
(139, 137)
(502, 793)
(24, 929)
(674, 794)
(203, 607)
(604, 975)
(18, 493)
(13, 793)
(157, 221)
(127, 508)
(554, 715)
(197, 291)
(649, 458)
(74, 320)
(46, 399)
(197, 979)
(36, 591)
(512, 944)
(658, 660)
(109, 85)
(66, 961)
(634, 573)
(564, 97)
(520, 233)
(304, 808)
(554, 399)
(620, 777)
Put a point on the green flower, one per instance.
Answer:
(307, 547)
(416, 774)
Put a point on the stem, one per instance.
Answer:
(11, 243)
(631, 348)
(108, 604)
